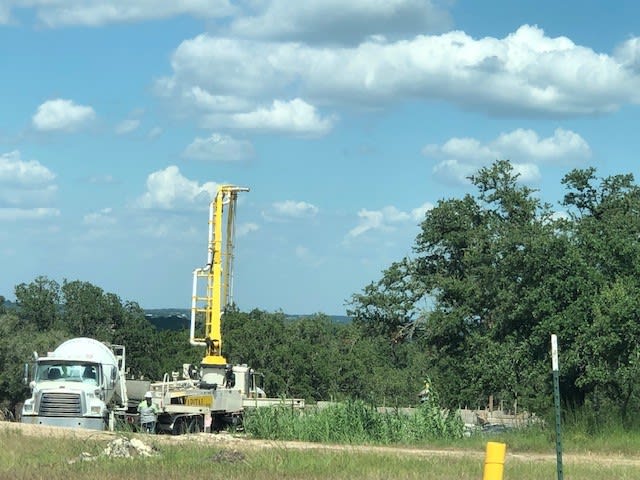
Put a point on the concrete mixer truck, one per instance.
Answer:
(80, 384)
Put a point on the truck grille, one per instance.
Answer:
(60, 405)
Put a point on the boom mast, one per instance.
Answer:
(217, 274)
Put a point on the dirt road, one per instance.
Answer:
(240, 442)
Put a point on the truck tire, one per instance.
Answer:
(217, 423)
(179, 426)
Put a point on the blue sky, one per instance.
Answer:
(347, 120)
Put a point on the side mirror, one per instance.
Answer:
(114, 376)
(25, 375)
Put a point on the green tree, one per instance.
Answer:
(174, 350)
(147, 355)
(17, 344)
(463, 251)
(257, 338)
(605, 228)
(388, 307)
(38, 302)
(88, 311)
(495, 274)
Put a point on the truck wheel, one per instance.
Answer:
(179, 427)
(196, 424)
(235, 422)
(217, 423)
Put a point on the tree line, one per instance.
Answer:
(492, 275)
(309, 357)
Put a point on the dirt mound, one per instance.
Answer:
(120, 448)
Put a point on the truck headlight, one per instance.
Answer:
(97, 409)
(27, 408)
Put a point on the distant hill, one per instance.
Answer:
(334, 318)
(9, 305)
(171, 320)
(179, 318)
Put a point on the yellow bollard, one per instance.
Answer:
(494, 461)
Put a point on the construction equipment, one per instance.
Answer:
(210, 396)
(217, 277)
(216, 389)
(79, 384)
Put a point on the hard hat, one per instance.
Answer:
(148, 395)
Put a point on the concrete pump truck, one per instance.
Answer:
(214, 394)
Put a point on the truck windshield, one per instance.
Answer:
(66, 371)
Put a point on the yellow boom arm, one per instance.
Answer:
(216, 275)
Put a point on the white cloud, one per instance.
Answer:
(454, 172)
(461, 148)
(459, 158)
(565, 147)
(28, 197)
(369, 219)
(628, 54)
(127, 126)
(62, 115)
(385, 219)
(100, 218)
(418, 213)
(155, 132)
(312, 20)
(337, 21)
(203, 100)
(219, 147)
(290, 209)
(560, 215)
(295, 116)
(525, 72)
(15, 214)
(5, 13)
(168, 189)
(25, 185)
(306, 256)
(59, 13)
(203, 64)
(246, 228)
(102, 179)
(20, 173)
(527, 172)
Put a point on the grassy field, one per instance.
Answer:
(349, 441)
(43, 457)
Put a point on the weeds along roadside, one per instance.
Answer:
(354, 422)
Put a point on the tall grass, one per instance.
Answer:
(588, 429)
(354, 422)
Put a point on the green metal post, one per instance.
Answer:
(556, 398)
